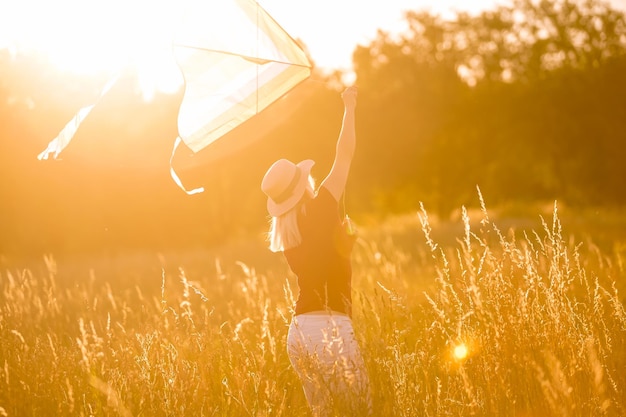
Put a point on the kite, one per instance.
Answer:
(235, 59)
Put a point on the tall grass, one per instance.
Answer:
(499, 324)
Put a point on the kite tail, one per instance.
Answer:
(175, 176)
(59, 143)
(56, 145)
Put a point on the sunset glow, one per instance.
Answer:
(460, 352)
(105, 37)
(89, 38)
(95, 37)
(461, 252)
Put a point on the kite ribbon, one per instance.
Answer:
(63, 139)
(175, 176)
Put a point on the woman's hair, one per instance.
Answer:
(284, 232)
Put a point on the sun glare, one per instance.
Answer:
(460, 352)
(96, 37)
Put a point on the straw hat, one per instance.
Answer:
(284, 184)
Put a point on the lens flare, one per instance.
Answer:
(460, 352)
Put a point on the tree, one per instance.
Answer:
(508, 99)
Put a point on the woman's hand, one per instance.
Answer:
(349, 97)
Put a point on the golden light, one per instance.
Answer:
(460, 352)
(98, 37)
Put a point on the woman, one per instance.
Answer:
(307, 228)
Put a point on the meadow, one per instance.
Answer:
(483, 315)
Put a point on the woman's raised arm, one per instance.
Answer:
(336, 180)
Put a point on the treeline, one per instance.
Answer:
(528, 102)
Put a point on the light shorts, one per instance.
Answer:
(325, 354)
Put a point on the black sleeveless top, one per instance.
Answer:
(322, 261)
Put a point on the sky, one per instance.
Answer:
(85, 36)
(329, 28)
(332, 28)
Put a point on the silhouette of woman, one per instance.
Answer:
(306, 226)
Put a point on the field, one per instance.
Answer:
(483, 315)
